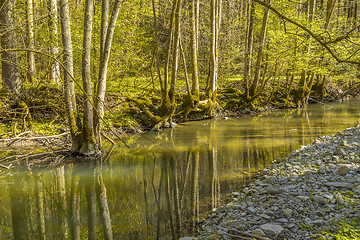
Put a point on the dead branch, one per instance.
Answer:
(7, 167)
(32, 138)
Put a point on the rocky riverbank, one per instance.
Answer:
(310, 194)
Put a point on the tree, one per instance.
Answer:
(31, 41)
(10, 69)
(55, 68)
(86, 137)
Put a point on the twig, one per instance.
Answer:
(321, 102)
(249, 234)
(7, 167)
(33, 138)
(108, 138)
(23, 133)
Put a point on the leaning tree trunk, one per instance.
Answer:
(260, 51)
(10, 69)
(31, 41)
(69, 89)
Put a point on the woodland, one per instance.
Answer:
(96, 67)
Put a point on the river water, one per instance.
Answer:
(164, 183)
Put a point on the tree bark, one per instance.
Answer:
(55, 68)
(69, 88)
(31, 41)
(88, 141)
(249, 46)
(104, 59)
(260, 51)
(193, 43)
(10, 69)
(175, 52)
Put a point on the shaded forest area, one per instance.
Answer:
(84, 66)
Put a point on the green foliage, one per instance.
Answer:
(348, 230)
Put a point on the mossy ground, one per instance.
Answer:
(138, 107)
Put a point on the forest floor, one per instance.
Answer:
(39, 119)
(314, 193)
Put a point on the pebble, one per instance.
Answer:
(317, 185)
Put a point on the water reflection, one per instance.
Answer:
(163, 184)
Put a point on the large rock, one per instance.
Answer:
(272, 229)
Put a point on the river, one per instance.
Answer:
(164, 183)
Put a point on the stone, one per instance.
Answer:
(215, 236)
(343, 170)
(339, 152)
(272, 229)
(287, 212)
(323, 229)
(303, 198)
(236, 194)
(350, 179)
(265, 216)
(318, 222)
(258, 232)
(264, 172)
(339, 184)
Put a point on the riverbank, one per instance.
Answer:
(314, 193)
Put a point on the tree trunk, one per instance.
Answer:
(104, 59)
(31, 41)
(249, 46)
(175, 53)
(168, 54)
(213, 50)
(193, 43)
(262, 41)
(10, 69)
(55, 68)
(88, 141)
(69, 89)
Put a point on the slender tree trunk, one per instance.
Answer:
(262, 42)
(157, 46)
(213, 50)
(88, 141)
(168, 54)
(55, 68)
(193, 43)
(104, 24)
(175, 52)
(249, 46)
(10, 69)
(31, 41)
(69, 88)
(104, 59)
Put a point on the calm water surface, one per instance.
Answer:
(164, 183)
